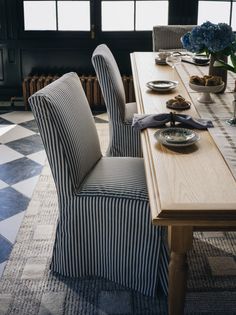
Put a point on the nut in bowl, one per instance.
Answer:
(206, 85)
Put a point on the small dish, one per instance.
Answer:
(177, 137)
(191, 61)
(162, 85)
(201, 59)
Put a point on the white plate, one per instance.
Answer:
(177, 137)
(162, 85)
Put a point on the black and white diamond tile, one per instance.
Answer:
(18, 170)
(5, 121)
(27, 145)
(12, 202)
(18, 117)
(3, 185)
(38, 157)
(31, 124)
(26, 187)
(99, 120)
(22, 157)
(7, 154)
(10, 226)
(6, 247)
(15, 132)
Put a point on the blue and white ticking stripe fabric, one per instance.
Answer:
(124, 141)
(104, 226)
(168, 36)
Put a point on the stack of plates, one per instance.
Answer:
(176, 137)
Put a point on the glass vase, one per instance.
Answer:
(218, 71)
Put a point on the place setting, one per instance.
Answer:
(165, 58)
(177, 137)
(175, 129)
(168, 57)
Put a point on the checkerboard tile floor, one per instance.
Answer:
(21, 161)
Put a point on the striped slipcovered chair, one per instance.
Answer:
(104, 227)
(123, 139)
(168, 36)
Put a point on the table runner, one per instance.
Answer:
(222, 109)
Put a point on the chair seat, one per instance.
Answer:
(130, 110)
(116, 177)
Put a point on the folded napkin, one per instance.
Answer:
(141, 122)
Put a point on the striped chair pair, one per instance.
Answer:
(104, 227)
(124, 141)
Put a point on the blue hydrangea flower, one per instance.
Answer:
(208, 37)
(185, 39)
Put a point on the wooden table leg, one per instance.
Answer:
(180, 240)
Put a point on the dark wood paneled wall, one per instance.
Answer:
(22, 53)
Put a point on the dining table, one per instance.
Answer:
(190, 188)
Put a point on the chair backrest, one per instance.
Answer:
(110, 81)
(168, 36)
(67, 128)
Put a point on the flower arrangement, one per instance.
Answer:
(213, 39)
(216, 40)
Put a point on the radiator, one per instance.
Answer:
(33, 83)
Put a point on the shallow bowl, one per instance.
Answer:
(206, 90)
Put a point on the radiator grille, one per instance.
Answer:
(33, 83)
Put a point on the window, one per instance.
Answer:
(217, 12)
(40, 15)
(150, 13)
(78, 15)
(117, 15)
(56, 15)
(73, 15)
(233, 22)
(133, 15)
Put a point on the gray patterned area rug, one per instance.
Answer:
(28, 287)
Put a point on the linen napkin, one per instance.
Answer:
(141, 122)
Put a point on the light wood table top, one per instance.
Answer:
(188, 188)
(191, 186)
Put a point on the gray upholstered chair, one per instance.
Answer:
(168, 36)
(104, 226)
(123, 139)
